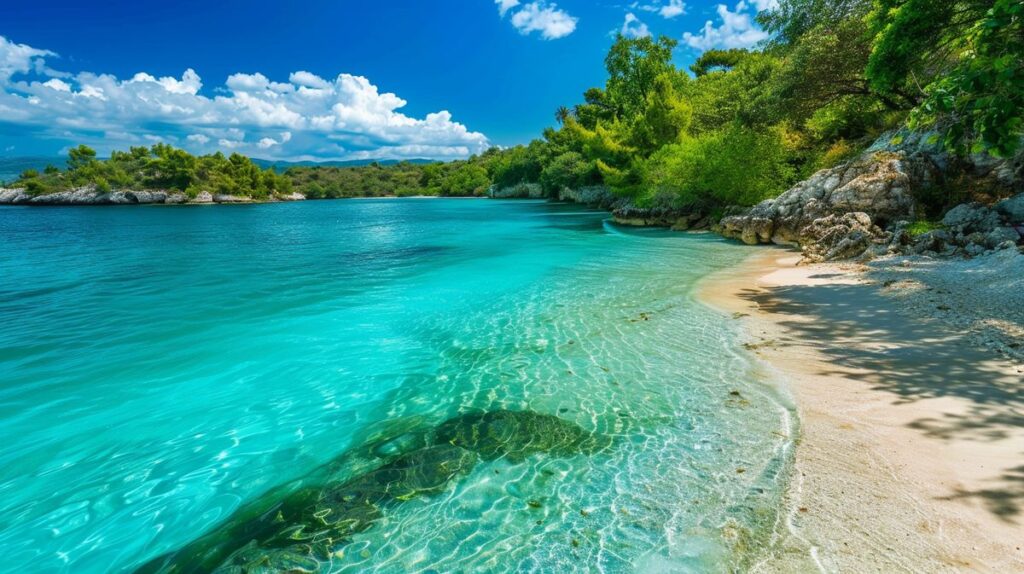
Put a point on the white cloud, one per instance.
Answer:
(19, 58)
(672, 9)
(59, 85)
(668, 10)
(307, 117)
(737, 30)
(506, 5)
(548, 19)
(632, 27)
(766, 4)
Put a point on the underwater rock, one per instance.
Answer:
(291, 530)
(517, 435)
(296, 534)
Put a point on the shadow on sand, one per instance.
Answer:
(914, 360)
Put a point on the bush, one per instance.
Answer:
(736, 166)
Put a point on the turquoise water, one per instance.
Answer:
(161, 367)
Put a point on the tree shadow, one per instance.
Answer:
(913, 359)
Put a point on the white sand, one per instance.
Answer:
(911, 454)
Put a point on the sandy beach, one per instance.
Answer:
(911, 450)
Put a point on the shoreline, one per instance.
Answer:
(911, 434)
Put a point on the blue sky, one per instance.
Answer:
(327, 80)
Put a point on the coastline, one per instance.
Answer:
(911, 432)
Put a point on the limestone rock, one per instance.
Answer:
(13, 196)
(175, 197)
(876, 184)
(202, 197)
(519, 191)
(842, 237)
(597, 195)
(971, 218)
(228, 198)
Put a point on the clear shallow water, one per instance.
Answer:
(161, 367)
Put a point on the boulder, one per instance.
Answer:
(202, 197)
(147, 197)
(294, 196)
(876, 184)
(971, 218)
(1000, 235)
(842, 237)
(13, 196)
(1012, 209)
(974, 249)
(175, 197)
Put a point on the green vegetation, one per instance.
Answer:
(738, 127)
(918, 228)
(159, 167)
(744, 125)
(455, 179)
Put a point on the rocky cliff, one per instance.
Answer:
(864, 208)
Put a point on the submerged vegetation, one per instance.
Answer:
(739, 126)
(296, 529)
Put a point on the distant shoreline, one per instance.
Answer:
(11, 198)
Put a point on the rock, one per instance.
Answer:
(842, 237)
(659, 211)
(1012, 209)
(974, 249)
(1000, 235)
(175, 197)
(882, 183)
(516, 435)
(291, 530)
(300, 530)
(294, 196)
(13, 196)
(202, 197)
(519, 191)
(971, 218)
(938, 240)
(146, 197)
(876, 184)
(228, 198)
(596, 195)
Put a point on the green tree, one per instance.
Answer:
(963, 59)
(81, 157)
(633, 65)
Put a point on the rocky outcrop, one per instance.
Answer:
(202, 197)
(861, 208)
(90, 196)
(518, 191)
(227, 198)
(876, 184)
(595, 195)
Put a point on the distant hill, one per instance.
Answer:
(11, 167)
(280, 166)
